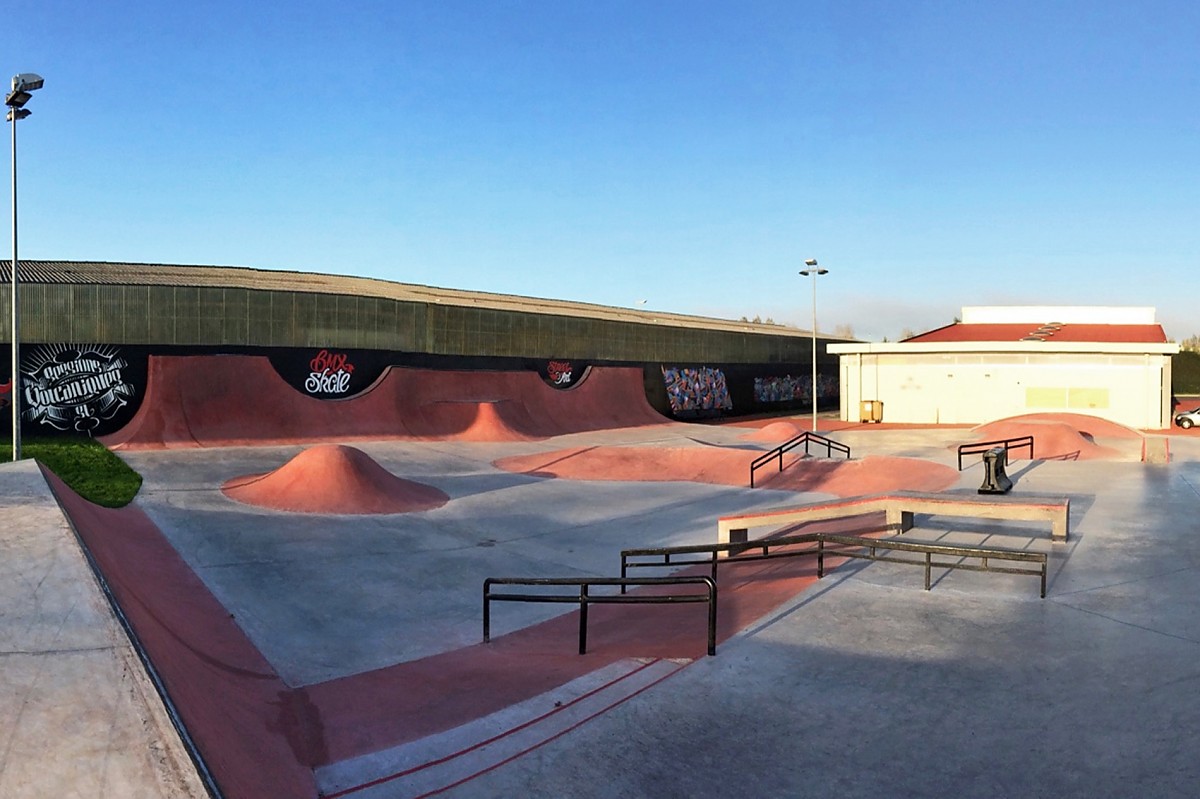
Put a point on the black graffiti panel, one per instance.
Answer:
(563, 373)
(89, 389)
(330, 372)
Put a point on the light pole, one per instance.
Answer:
(22, 85)
(814, 270)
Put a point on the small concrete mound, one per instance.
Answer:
(774, 433)
(1053, 439)
(334, 478)
(732, 467)
(1089, 426)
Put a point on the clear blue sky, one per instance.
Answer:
(691, 154)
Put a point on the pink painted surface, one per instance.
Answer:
(775, 432)
(1084, 423)
(261, 737)
(411, 700)
(226, 400)
(731, 466)
(803, 421)
(242, 716)
(1058, 436)
(334, 478)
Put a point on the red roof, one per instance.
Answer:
(1052, 332)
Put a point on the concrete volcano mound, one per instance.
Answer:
(1055, 436)
(333, 478)
(774, 433)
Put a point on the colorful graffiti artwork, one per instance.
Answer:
(5, 393)
(73, 387)
(330, 373)
(693, 390)
(794, 389)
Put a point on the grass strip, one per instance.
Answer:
(86, 465)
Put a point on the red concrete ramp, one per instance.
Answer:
(1092, 426)
(474, 420)
(729, 466)
(1064, 436)
(244, 719)
(229, 400)
(775, 433)
(334, 478)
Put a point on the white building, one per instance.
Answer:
(1114, 363)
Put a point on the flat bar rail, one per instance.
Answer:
(980, 447)
(846, 546)
(806, 438)
(584, 598)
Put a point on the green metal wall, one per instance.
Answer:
(183, 315)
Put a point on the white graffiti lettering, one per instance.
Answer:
(326, 383)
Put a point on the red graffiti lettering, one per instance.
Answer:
(560, 372)
(328, 362)
(330, 373)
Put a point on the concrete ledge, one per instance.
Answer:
(1156, 449)
(899, 508)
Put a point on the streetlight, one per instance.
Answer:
(22, 85)
(814, 270)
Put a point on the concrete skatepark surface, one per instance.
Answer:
(361, 633)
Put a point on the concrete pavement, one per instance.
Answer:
(861, 685)
(78, 716)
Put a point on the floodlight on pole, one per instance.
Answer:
(22, 87)
(814, 270)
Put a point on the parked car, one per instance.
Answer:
(1188, 418)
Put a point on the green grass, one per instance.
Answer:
(85, 465)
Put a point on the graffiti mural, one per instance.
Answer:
(559, 372)
(694, 390)
(75, 388)
(5, 393)
(330, 373)
(794, 389)
(563, 374)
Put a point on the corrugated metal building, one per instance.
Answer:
(149, 304)
(158, 308)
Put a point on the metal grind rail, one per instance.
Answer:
(584, 598)
(979, 447)
(739, 552)
(806, 438)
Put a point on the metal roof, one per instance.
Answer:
(109, 273)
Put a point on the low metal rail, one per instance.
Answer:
(980, 447)
(584, 598)
(846, 547)
(806, 438)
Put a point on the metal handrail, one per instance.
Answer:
(584, 598)
(804, 438)
(738, 554)
(978, 447)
